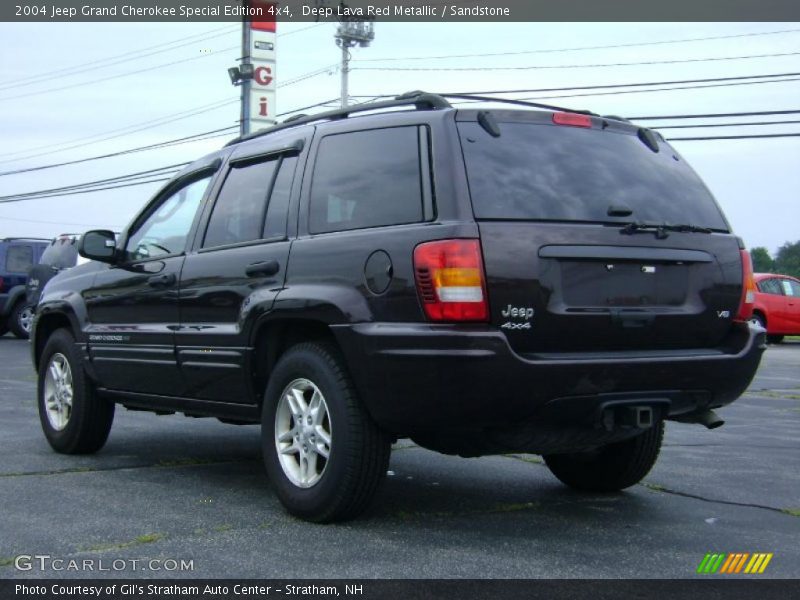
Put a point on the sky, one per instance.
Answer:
(50, 114)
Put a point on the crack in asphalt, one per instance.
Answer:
(159, 465)
(654, 487)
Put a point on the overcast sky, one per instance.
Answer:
(757, 182)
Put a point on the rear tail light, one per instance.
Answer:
(450, 280)
(572, 119)
(748, 289)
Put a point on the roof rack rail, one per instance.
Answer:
(420, 100)
(519, 103)
(25, 239)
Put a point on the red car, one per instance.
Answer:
(777, 305)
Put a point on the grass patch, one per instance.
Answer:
(654, 487)
(147, 538)
(795, 512)
(6, 562)
(529, 458)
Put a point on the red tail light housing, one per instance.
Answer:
(451, 281)
(748, 289)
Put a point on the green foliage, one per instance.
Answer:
(762, 261)
(787, 261)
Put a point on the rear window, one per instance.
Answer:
(547, 172)
(19, 259)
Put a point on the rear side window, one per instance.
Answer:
(547, 172)
(367, 179)
(238, 213)
(19, 259)
(770, 286)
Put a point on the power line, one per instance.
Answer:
(604, 47)
(617, 85)
(733, 137)
(87, 191)
(122, 131)
(585, 66)
(705, 125)
(119, 178)
(164, 144)
(133, 55)
(762, 113)
(205, 135)
(93, 65)
(119, 75)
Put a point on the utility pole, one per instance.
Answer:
(247, 83)
(256, 71)
(350, 33)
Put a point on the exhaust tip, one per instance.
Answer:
(710, 419)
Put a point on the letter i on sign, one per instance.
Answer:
(263, 107)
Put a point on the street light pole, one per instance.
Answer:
(350, 33)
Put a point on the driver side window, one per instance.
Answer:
(165, 230)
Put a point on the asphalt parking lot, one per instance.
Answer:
(171, 487)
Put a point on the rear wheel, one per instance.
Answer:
(774, 339)
(611, 468)
(75, 420)
(324, 454)
(20, 320)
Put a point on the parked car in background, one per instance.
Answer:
(17, 256)
(61, 254)
(777, 305)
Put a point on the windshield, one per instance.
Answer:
(547, 172)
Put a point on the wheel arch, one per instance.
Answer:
(45, 324)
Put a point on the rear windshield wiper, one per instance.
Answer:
(662, 229)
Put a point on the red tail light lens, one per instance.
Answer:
(450, 280)
(572, 119)
(748, 289)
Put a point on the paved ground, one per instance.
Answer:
(194, 489)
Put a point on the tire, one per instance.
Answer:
(20, 320)
(83, 421)
(610, 468)
(341, 486)
(774, 339)
(3, 329)
(759, 320)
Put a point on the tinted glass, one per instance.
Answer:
(548, 172)
(366, 179)
(165, 230)
(19, 259)
(239, 210)
(770, 286)
(790, 288)
(275, 224)
(61, 254)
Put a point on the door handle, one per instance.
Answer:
(263, 269)
(162, 280)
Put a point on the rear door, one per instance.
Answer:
(235, 273)
(132, 306)
(552, 196)
(791, 288)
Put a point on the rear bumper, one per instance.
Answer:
(418, 378)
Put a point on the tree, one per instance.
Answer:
(762, 261)
(787, 261)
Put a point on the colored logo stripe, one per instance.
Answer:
(734, 563)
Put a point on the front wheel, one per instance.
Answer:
(75, 420)
(324, 454)
(610, 468)
(20, 320)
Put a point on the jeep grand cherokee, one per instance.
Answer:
(481, 281)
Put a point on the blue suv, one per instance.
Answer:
(17, 256)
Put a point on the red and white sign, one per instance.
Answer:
(263, 55)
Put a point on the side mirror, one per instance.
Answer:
(98, 244)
